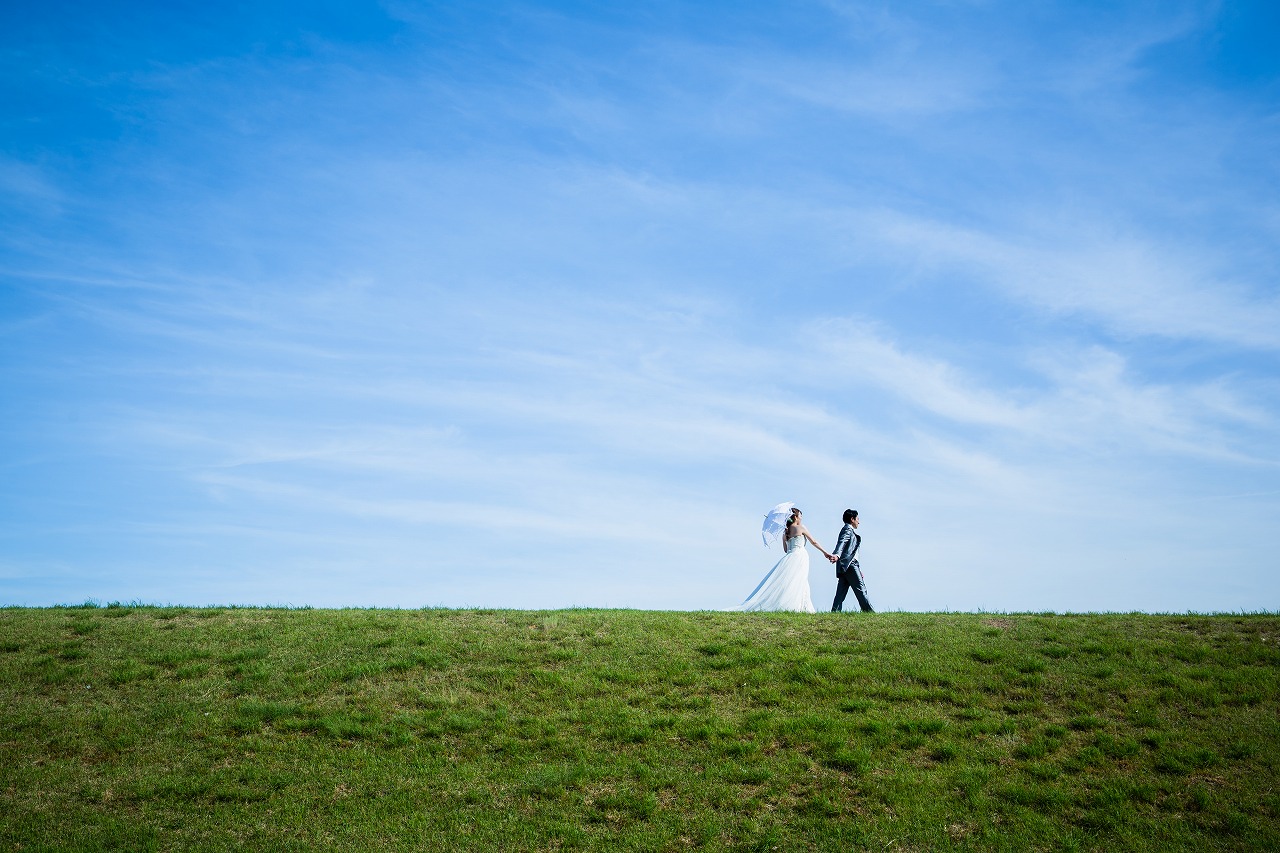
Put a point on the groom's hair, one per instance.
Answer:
(850, 515)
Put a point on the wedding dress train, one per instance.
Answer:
(786, 586)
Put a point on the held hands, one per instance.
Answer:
(831, 557)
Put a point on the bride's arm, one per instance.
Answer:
(815, 544)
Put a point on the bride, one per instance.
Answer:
(786, 586)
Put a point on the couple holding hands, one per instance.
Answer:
(786, 586)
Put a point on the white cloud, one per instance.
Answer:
(1083, 397)
(1128, 282)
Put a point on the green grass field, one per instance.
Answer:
(140, 728)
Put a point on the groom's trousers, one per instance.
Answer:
(851, 579)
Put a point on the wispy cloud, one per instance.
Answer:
(1080, 397)
(27, 187)
(1131, 283)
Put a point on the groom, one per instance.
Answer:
(848, 572)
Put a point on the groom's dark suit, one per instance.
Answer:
(848, 572)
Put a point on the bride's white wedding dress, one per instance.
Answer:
(786, 586)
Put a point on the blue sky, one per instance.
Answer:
(545, 304)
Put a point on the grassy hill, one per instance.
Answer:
(141, 728)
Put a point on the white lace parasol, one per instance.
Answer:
(775, 521)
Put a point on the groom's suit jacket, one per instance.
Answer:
(847, 549)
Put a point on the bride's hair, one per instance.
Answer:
(795, 511)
